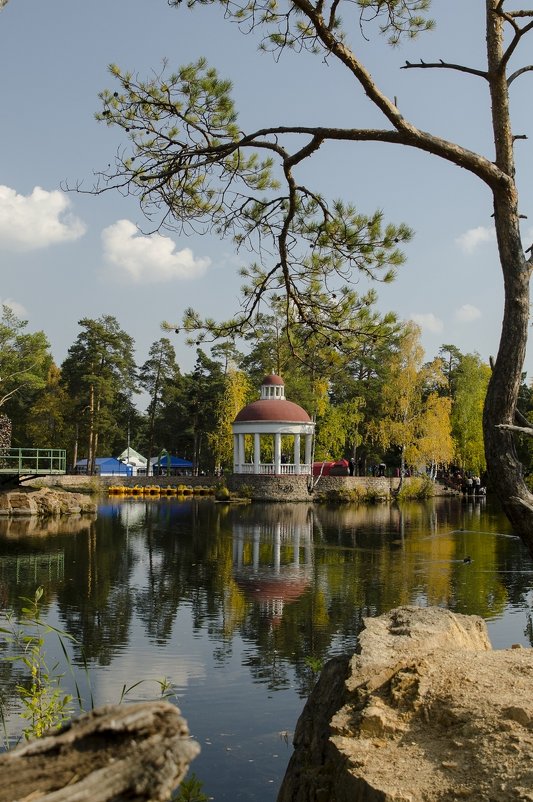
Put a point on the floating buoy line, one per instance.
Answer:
(157, 491)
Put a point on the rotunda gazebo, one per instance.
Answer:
(272, 416)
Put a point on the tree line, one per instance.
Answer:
(378, 400)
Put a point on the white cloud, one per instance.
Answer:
(428, 322)
(467, 313)
(28, 222)
(148, 259)
(471, 239)
(18, 309)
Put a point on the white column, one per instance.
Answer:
(257, 452)
(309, 450)
(296, 459)
(277, 453)
(241, 451)
(236, 467)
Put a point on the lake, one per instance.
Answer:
(238, 605)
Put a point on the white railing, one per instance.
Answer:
(268, 469)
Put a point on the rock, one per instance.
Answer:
(425, 710)
(44, 502)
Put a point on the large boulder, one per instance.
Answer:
(44, 502)
(425, 710)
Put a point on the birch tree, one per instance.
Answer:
(403, 399)
(435, 447)
(467, 414)
(236, 394)
(192, 165)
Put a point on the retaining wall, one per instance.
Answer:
(259, 488)
(296, 488)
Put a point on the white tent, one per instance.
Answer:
(133, 458)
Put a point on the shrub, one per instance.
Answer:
(419, 487)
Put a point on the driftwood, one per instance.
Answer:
(136, 752)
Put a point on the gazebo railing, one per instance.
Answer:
(268, 469)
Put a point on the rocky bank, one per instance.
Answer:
(426, 711)
(44, 502)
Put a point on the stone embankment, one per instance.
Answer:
(44, 502)
(260, 488)
(425, 710)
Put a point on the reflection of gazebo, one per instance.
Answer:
(276, 575)
(272, 593)
(273, 417)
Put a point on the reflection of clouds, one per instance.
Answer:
(146, 667)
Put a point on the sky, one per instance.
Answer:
(65, 256)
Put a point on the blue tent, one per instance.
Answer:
(105, 466)
(167, 464)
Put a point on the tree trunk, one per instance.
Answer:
(152, 414)
(90, 444)
(139, 752)
(504, 467)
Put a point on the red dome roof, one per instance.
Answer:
(273, 379)
(273, 409)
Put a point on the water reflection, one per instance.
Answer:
(231, 602)
(24, 527)
(273, 559)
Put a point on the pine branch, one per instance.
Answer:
(444, 65)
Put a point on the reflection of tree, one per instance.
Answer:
(414, 553)
(294, 581)
(95, 605)
(187, 563)
(157, 603)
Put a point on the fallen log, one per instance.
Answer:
(136, 752)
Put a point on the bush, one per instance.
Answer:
(245, 491)
(338, 495)
(420, 487)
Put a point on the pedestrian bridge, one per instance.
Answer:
(33, 461)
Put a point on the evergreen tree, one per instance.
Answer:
(202, 393)
(45, 425)
(100, 376)
(159, 373)
(451, 357)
